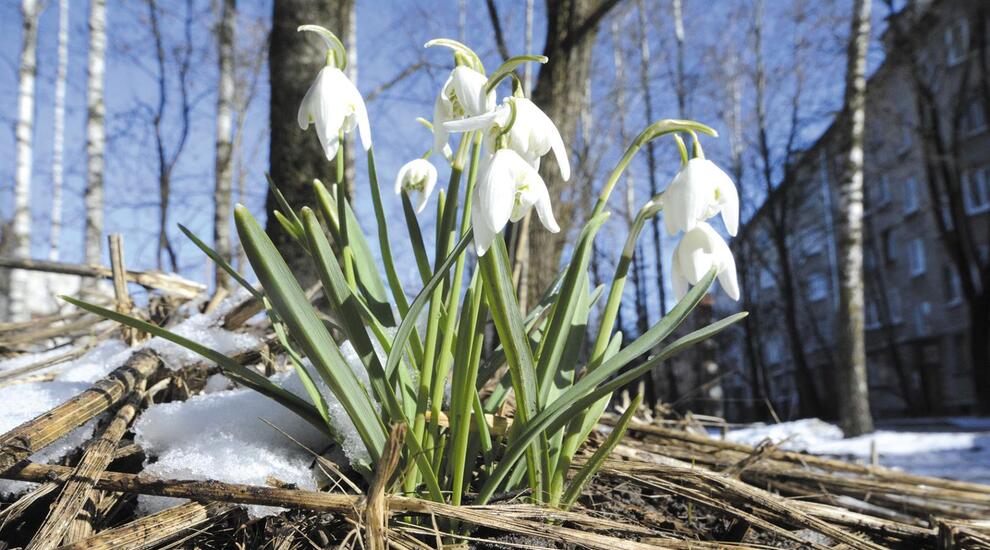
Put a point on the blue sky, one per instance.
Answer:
(390, 37)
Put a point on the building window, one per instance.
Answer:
(976, 188)
(881, 191)
(773, 350)
(817, 287)
(894, 305)
(956, 41)
(916, 257)
(953, 286)
(872, 314)
(921, 318)
(812, 242)
(974, 120)
(889, 245)
(910, 196)
(766, 278)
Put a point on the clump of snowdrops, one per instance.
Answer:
(452, 451)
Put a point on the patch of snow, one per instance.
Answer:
(29, 359)
(96, 363)
(22, 402)
(204, 328)
(221, 436)
(962, 455)
(216, 383)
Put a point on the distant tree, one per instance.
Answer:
(26, 74)
(651, 157)
(95, 131)
(224, 146)
(168, 154)
(854, 391)
(295, 156)
(572, 26)
(779, 209)
(58, 134)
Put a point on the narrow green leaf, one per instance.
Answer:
(231, 367)
(409, 322)
(416, 238)
(220, 261)
(561, 411)
(518, 354)
(598, 459)
(345, 302)
(550, 417)
(556, 336)
(287, 210)
(365, 266)
(289, 301)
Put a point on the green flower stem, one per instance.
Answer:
(453, 293)
(574, 436)
(462, 393)
(512, 332)
(428, 365)
(346, 254)
(383, 241)
(652, 132)
(345, 246)
(595, 462)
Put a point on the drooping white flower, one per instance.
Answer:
(333, 104)
(532, 133)
(507, 188)
(700, 191)
(700, 249)
(462, 95)
(417, 176)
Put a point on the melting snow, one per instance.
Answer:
(204, 328)
(962, 452)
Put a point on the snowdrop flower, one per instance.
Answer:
(418, 176)
(333, 104)
(506, 190)
(700, 249)
(462, 95)
(698, 192)
(532, 133)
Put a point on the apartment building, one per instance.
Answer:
(917, 320)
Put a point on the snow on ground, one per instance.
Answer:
(204, 328)
(222, 436)
(22, 402)
(951, 448)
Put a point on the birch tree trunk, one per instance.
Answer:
(26, 73)
(224, 147)
(853, 394)
(294, 59)
(58, 139)
(95, 131)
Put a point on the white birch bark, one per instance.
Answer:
(58, 145)
(224, 159)
(854, 397)
(95, 131)
(26, 73)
